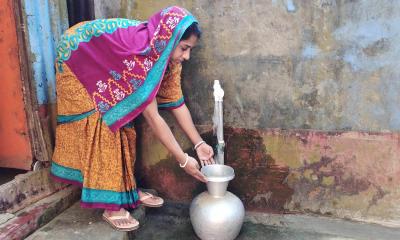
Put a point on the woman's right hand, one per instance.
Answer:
(192, 168)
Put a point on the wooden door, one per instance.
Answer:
(15, 146)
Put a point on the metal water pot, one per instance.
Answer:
(217, 214)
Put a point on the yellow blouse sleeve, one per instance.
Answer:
(170, 94)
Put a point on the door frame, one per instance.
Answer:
(39, 135)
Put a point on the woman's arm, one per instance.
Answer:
(164, 134)
(185, 121)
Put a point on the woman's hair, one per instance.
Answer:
(193, 29)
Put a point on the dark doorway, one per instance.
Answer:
(80, 10)
(8, 174)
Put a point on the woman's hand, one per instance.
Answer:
(164, 134)
(205, 154)
(204, 151)
(192, 168)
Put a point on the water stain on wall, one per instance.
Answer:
(259, 182)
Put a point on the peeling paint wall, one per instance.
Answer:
(46, 21)
(347, 174)
(327, 66)
(351, 175)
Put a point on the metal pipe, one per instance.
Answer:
(218, 121)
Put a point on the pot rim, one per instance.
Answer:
(228, 171)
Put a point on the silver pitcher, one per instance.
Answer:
(217, 214)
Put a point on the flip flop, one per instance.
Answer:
(157, 201)
(126, 228)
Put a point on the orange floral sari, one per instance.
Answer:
(89, 154)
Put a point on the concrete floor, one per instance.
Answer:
(165, 223)
(178, 228)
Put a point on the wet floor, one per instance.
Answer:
(172, 222)
(178, 228)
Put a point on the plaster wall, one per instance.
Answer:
(349, 174)
(320, 64)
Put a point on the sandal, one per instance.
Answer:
(125, 228)
(154, 200)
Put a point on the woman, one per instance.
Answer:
(109, 72)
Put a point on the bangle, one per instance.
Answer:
(198, 144)
(187, 159)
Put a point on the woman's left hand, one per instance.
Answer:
(205, 154)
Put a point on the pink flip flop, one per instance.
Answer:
(129, 227)
(155, 201)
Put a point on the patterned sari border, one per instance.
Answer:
(66, 173)
(73, 118)
(67, 181)
(70, 41)
(108, 206)
(172, 105)
(89, 195)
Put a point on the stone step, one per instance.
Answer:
(20, 224)
(84, 224)
(26, 189)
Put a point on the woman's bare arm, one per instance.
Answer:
(185, 121)
(164, 134)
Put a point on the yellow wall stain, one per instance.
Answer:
(283, 149)
(328, 181)
(307, 174)
(293, 178)
(144, 9)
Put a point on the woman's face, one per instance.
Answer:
(182, 51)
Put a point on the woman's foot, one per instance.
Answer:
(121, 220)
(149, 200)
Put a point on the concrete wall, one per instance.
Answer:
(326, 65)
(352, 175)
(319, 64)
(329, 67)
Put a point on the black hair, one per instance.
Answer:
(193, 29)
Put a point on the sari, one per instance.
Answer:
(108, 71)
